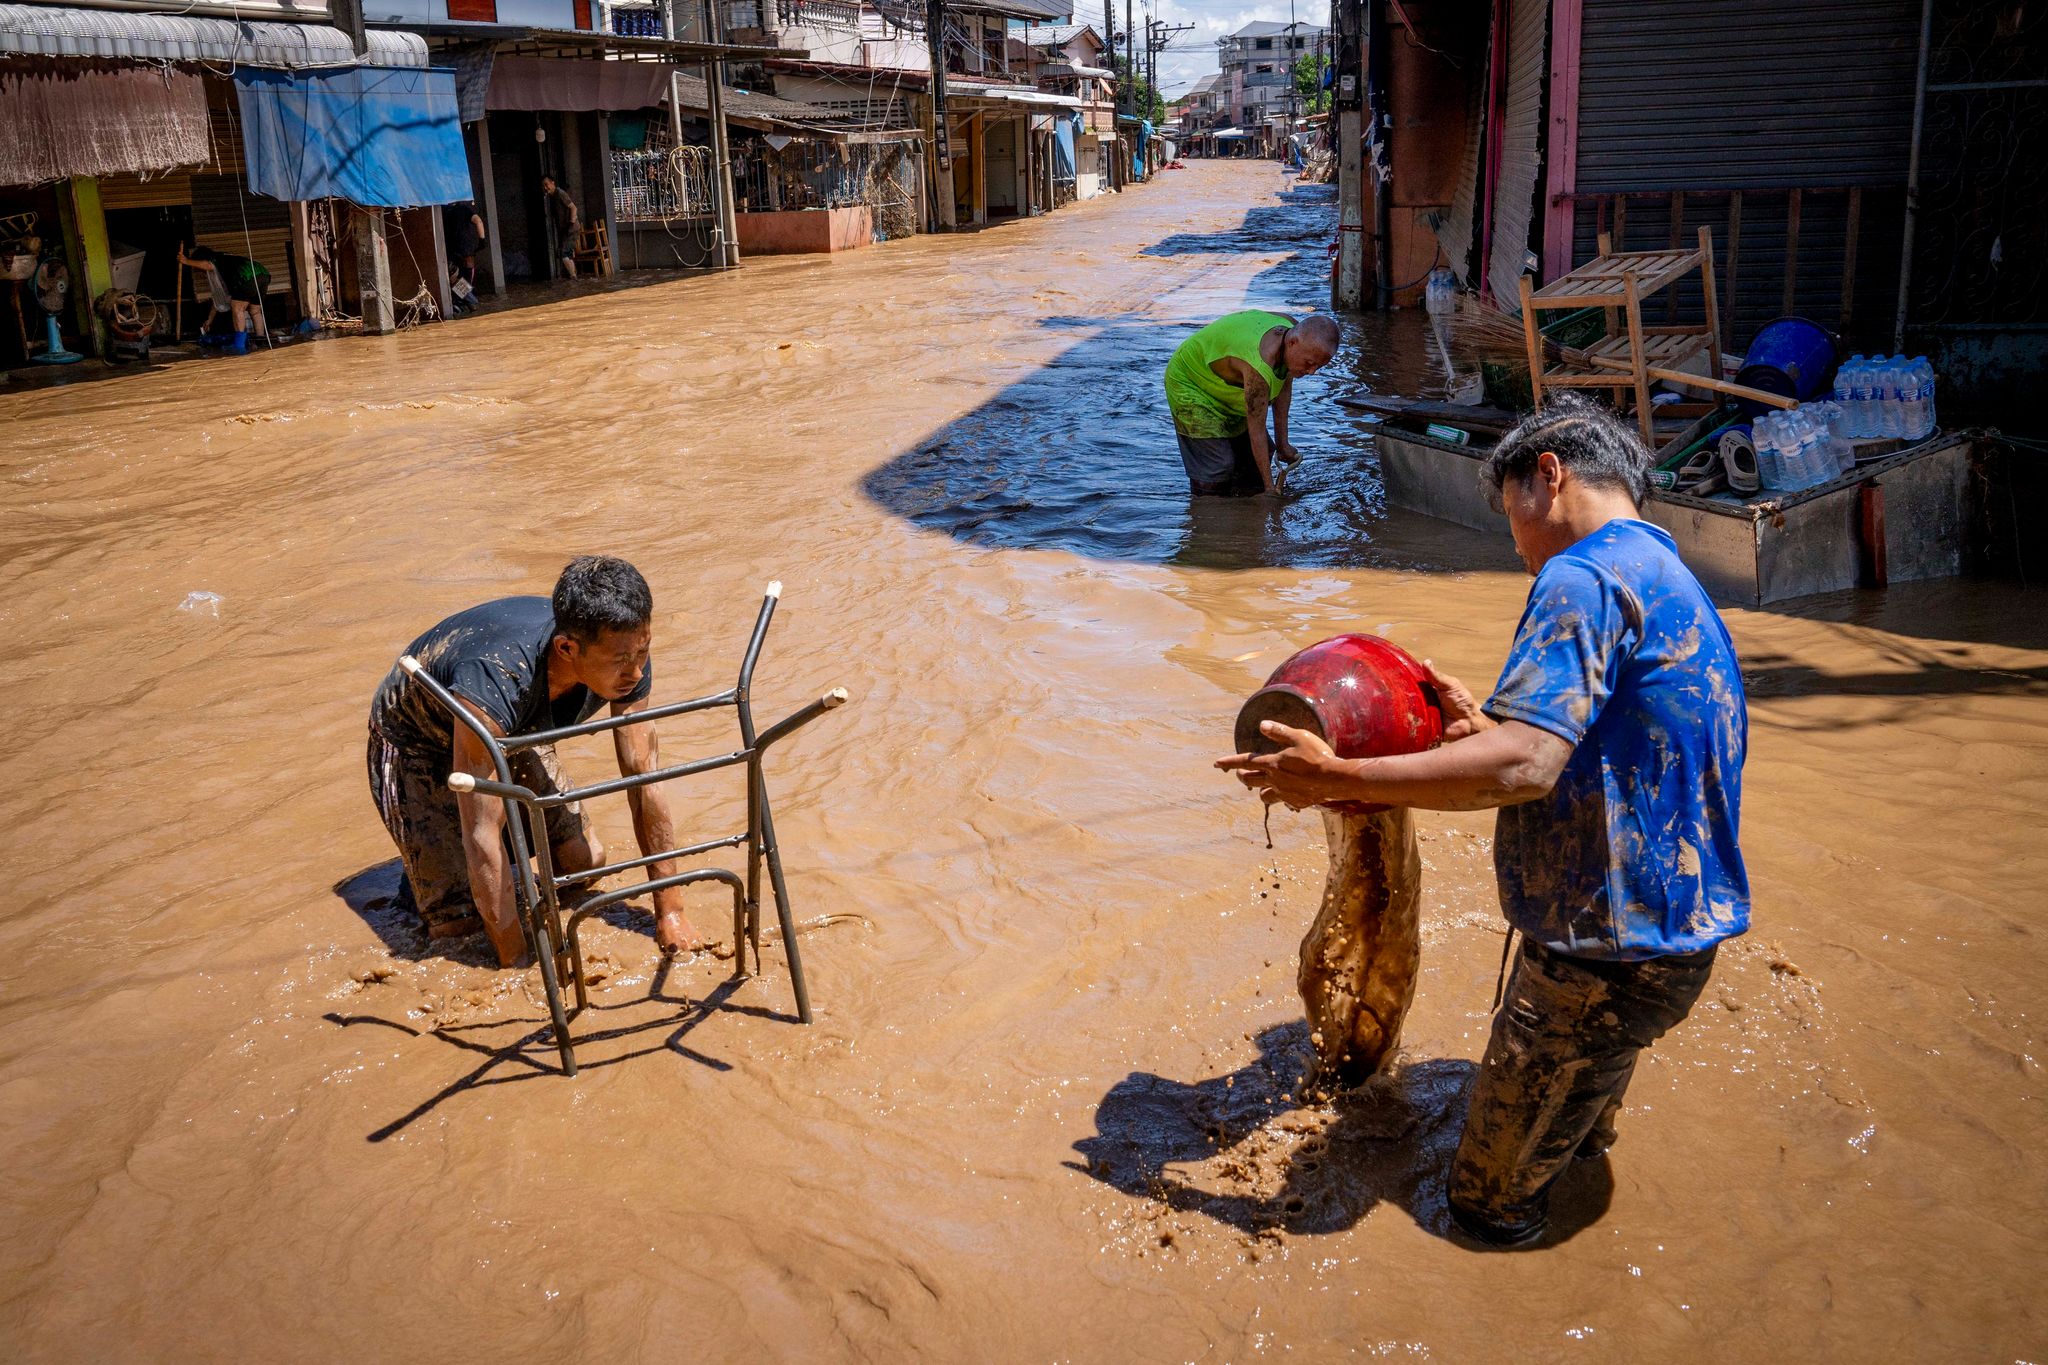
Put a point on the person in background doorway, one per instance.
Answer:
(566, 217)
(237, 285)
(464, 229)
(1222, 381)
(1613, 747)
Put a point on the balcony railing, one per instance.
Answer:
(787, 14)
(842, 14)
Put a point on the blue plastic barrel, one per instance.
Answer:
(1791, 357)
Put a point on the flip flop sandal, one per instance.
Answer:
(1703, 465)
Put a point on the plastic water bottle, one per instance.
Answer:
(1845, 383)
(1805, 456)
(1440, 293)
(1853, 407)
(1839, 445)
(1892, 412)
(1769, 433)
(1920, 399)
(1826, 465)
(1766, 451)
(1927, 419)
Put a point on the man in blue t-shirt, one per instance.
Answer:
(1613, 746)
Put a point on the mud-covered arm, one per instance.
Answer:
(483, 843)
(639, 751)
(1283, 401)
(1506, 765)
(1257, 399)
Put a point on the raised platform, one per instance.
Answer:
(795, 232)
(1906, 513)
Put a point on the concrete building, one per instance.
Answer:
(1198, 116)
(1073, 60)
(1256, 64)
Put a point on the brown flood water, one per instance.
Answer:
(1042, 1113)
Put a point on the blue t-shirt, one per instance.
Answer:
(1633, 854)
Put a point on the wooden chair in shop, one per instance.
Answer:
(594, 248)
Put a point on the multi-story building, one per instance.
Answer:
(1257, 65)
(1072, 59)
(1198, 117)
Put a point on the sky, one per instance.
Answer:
(1191, 56)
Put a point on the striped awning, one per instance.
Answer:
(54, 31)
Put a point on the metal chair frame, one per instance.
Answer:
(539, 896)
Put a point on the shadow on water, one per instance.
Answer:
(1080, 455)
(1388, 1142)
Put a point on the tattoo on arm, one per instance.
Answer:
(1256, 398)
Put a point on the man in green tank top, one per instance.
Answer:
(1221, 383)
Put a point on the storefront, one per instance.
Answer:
(134, 138)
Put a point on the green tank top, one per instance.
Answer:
(1204, 403)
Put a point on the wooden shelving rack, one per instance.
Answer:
(1630, 356)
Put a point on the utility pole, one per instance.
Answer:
(1159, 36)
(1347, 102)
(941, 131)
(1293, 42)
(1130, 54)
(721, 147)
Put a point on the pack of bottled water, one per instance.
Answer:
(1802, 447)
(1886, 397)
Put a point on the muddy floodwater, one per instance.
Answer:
(1045, 1112)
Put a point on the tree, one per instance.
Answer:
(1144, 100)
(1308, 83)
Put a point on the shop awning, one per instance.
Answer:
(1011, 94)
(568, 83)
(765, 113)
(383, 138)
(134, 120)
(54, 31)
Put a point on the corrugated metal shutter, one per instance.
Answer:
(1514, 194)
(1761, 96)
(1674, 94)
(227, 217)
(145, 192)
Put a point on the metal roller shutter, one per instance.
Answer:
(1762, 96)
(1514, 194)
(1675, 94)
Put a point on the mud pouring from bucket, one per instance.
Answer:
(1365, 698)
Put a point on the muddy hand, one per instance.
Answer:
(1463, 717)
(1304, 773)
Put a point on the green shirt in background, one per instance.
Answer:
(1204, 403)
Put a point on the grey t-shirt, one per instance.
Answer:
(494, 656)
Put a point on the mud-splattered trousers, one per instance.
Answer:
(412, 796)
(1564, 1045)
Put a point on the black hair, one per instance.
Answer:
(1587, 439)
(597, 593)
(200, 253)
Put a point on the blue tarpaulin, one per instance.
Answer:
(1063, 147)
(377, 136)
(1138, 153)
